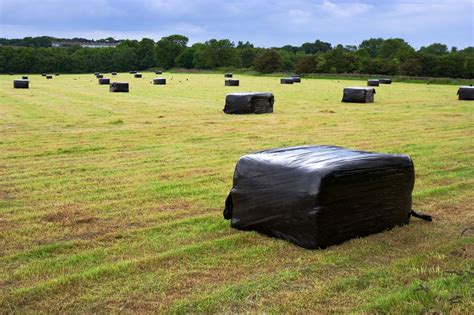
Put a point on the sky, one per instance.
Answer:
(265, 23)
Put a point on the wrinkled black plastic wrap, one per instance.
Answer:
(104, 81)
(385, 81)
(159, 81)
(118, 87)
(286, 81)
(466, 93)
(317, 196)
(373, 82)
(358, 95)
(21, 84)
(231, 82)
(249, 103)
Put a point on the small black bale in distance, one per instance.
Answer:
(133, 72)
(114, 73)
(249, 103)
(119, 87)
(466, 93)
(231, 82)
(43, 74)
(21, 84)
(49, 76)
(158, 72)
(358, 95)
(104, 81)
(286, 81)
(228, 75)
(99, 76)
(56, 74)
(296, 78)
(25, 77)
(385, 81)
(373, 82)
(159, 81)
(138, 75)
(318, 196)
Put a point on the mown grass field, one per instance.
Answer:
(112, 202)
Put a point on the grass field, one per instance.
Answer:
(112, 202)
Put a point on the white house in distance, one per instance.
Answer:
(89, 44)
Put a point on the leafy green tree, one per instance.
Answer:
(435, 49)
(168, 49)
(146, 53)
(268, 61)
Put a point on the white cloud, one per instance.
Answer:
(344, 9)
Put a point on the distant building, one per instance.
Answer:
(90, 44)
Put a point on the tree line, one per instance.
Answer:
(392, 56)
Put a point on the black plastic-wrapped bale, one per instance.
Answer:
(159, 81)
(25, 77)
(114, 73)
(118, 87)
(249, 103)
(373, 82)
(158, 72)
(49, 76)
(317, 196)
(133, 72)
(99, 76)
(228, 75)
(466, 93)
(56, 74)
(43, 74)
(385, 81)
(286, 81)
(138, 75)
(21, 84)
(296, 78)
(358, 95)
(104, 81)
(231, 82)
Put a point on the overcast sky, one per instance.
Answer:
(264, 23)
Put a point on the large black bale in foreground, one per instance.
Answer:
(249, 103)
(358, 95)
(118, 87)
(21, 84)
(466, 93)
(317, 196)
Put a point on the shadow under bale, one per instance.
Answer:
(231, 82)
(358, 95)
(159, 81)
(317, 196)
(21, 84)
(119, 87)
(249, 103)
